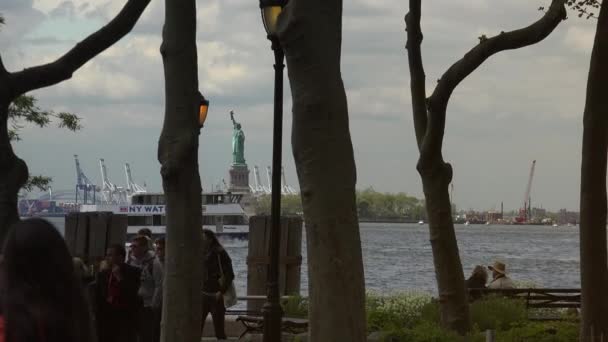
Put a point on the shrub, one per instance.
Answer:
(541, 332)
(422, 332)
(397, 310)
(498, 313)
(295, 306)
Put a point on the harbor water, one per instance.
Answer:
(398, 257)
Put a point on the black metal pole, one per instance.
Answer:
(272, 310)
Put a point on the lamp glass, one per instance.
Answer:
(270, 15)
(202, 112)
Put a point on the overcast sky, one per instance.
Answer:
(519, 106)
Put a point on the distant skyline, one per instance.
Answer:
(519, 106)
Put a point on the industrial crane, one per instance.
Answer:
(132, 187)
(111, 193)
(84, 184)
(286, 189)
(526, 211)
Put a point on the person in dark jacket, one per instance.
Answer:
(217, 265)
(117, 303)
(476, 281)
(42, 299)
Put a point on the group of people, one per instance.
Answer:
(46, 295)
(479, 279)
(128, 291)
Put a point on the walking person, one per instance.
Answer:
(151, 279)
(500, 280)
(116, 298)
(157, 298)
(42, 298)
(216, 282)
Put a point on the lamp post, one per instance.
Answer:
(272, 308)
(203, 108)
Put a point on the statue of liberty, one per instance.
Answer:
(238, 142)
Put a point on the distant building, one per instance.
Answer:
(564, 217)
(539, 213)
(492, 216)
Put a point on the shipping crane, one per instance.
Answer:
(269, 178)
(259, 187)
(526, 211)
(111, 193)
(132, 187)
(84, 184)
(287, 190)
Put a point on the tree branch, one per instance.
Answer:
(2, 68)
(63, 68)
(438, 101)
(417, 77)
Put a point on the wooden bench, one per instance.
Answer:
(253, 320)
(538, 298)
(255, 324)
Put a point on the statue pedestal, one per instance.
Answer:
(239, 178)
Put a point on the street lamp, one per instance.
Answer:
(203, 108)
(272, 308)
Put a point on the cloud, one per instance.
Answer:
(65, 9)
(580, 38)
(518, 106)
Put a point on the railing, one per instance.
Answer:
(236, 312)
(539, 298)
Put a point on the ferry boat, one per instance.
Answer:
(222, 214)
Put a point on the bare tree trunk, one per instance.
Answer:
(178, 154)
(594, 267)
(13, 170)
(310, 31)
(436, 177)
(429, 124)
(13, 173)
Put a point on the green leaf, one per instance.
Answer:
(41, 182)
(69, 121)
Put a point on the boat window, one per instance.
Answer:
(208, 220)
(234, 220)
(148, 199)
(139, 220)
(157, 220)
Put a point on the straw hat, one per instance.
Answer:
(498, 267)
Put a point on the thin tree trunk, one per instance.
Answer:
(310, 32)
(178, 154)
(13, 175)
(429, 125)
(594, 267)
(436, 178)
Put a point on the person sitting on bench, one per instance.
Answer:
(499, 277)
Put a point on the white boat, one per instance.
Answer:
(420, 222)
(555, 225)
(222, 214)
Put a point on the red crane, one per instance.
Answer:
(526, 211)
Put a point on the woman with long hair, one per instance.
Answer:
(42, 299)
(476, 282)
(217, 280)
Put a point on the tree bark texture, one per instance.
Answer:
(594, 267)
(13, 170)
(178, 155)
(429, 124)
(310, 32)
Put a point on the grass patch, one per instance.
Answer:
(414, 317)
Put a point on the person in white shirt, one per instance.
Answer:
(499, 277)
